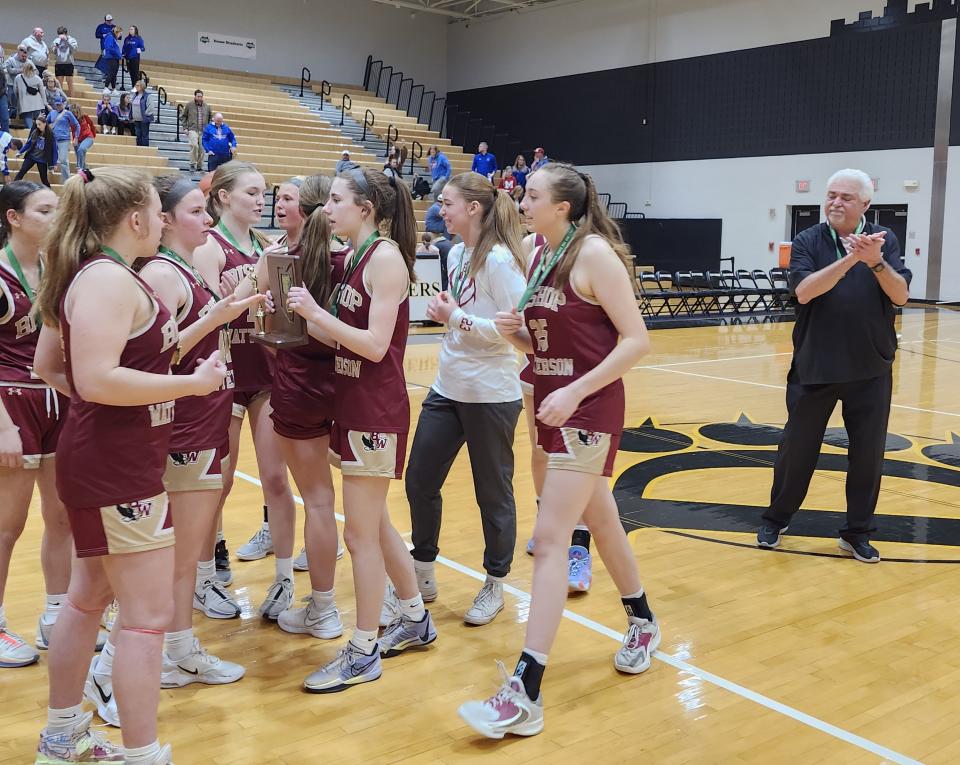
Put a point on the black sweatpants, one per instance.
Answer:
(442, 429)
(866, 410)
(28, 164)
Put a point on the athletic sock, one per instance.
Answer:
(3, 616)
(206, 572)
(365, 640)
(105, 662)
(284, 569)
(530, 671)
(636, 606)
(178, 645)
(219, 536)
(581, 536)
(63, 720)
(266, 517)
(142, 754)
(52, 610)
(413, 608)
(323, 599)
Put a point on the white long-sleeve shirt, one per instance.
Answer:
(477, 364)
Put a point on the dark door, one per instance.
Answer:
(803, 216)
(893, 217)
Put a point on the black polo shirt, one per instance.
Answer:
(845, 334)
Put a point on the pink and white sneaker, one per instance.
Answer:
(509, 711)
(640, 641)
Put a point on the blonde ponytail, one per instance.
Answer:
(500, 224)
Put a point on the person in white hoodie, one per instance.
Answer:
(64, 47)
(476, 397)
(37, 50)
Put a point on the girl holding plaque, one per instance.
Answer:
(581, 322)
(230, 254)
(476, 397)
(368, 321)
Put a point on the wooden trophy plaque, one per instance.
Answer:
(286, 328)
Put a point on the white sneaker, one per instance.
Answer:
(215, 602)
(99, 691)
(198, 667)
(164, 756)
(260, 545)
(300, 563)
(279, 599)
(390, 610)
(80, 744)
(426, 580)
(14, 652)
(510, 710)
(45, 629)
(640, 641)
(109, 617)
(311, 620)
(487, 604)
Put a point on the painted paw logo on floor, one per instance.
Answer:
(678, 460)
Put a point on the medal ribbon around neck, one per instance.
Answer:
(544, 268)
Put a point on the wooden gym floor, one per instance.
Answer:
(791, 656)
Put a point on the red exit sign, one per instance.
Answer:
(803, 187)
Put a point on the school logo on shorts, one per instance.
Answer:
(374, 442)
(14, 392)
(184, 458)
(135, 511)
(589, 438)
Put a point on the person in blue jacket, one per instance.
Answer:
(484, 162)
(63, 124)
(219, 142)
(104, 29)
(133, 46)
(109, 61)
(439, 169)
(40, 150)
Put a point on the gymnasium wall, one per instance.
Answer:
(950, 273)
(330, 37)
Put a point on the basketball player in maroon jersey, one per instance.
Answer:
(31, 412)
(232, 250)
(581, 322)
(368, 321)
(118, 344)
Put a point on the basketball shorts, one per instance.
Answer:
(526, 377)
(197, 469)
(39, 413)
(243, 400)
(371, 454)
(583, 451)
(135, 526)
(300, 416)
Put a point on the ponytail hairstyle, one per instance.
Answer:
(500, 220)
(392, 207)
(567, 184)
(315, 237)
(90, 209)
(225, 178)
(14, 196)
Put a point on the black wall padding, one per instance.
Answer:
(850, 92)
(674, 244)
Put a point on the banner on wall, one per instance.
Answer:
(427, 286)
(226, 45)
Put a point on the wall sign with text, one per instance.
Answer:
(215, 44)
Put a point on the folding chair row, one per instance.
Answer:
(706, 293)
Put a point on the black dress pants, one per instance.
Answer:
(865, 410)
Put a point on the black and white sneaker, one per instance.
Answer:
(863, 551)
(769, 536)
(221, 556)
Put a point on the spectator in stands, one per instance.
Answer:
(439, 169)
(195, 117)
(40, 150)
(426, 248)
(434, 222)
(124, 114)
(133, 46)
(484, 162)
(7, 142)
(540, 158)
(11, 68)
(444, 244)
(399, 150)
(391, 168)
(31, 99)
(107, 116)
(64, 125)
(104, 29)
(144, 110)
(37, 50)
(51, 89)
(345, 163)
(109, 61)
(507, 182)
(521, 170)
(64, 47)
(517, 195)
(219, 143)
(84, 139)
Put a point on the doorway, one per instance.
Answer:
(893, 217)
(803, 217)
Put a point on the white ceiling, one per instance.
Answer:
(464, 10)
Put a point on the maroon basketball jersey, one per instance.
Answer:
(108, 455)
(308, 369)
(19, 330)
(526, 373)
(570, 337)
(201, 421)
(252, 363)
(370, 395)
